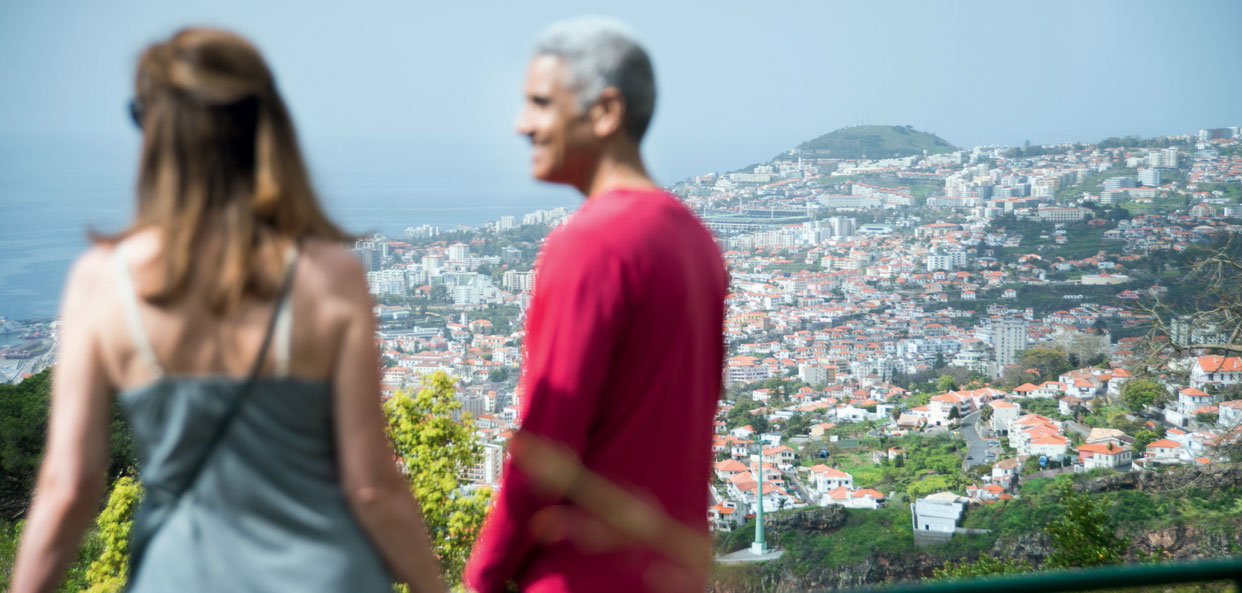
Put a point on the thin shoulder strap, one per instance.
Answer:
(129, 302)
(285, 289)
(284, 315)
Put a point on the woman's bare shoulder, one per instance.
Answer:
(90, 289)
(332, 270)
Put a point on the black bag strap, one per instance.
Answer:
(235, 406)
(146, 527)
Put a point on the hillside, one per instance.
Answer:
(876, 142)
(1176, 514)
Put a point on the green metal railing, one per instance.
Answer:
(1111, 577)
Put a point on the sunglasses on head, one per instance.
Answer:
(136, 111)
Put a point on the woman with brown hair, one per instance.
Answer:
(237, 333)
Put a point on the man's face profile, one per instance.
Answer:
(564, 144)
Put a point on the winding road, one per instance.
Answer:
(976, 446)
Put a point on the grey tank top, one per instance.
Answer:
(267, 512)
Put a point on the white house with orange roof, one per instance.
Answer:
(725, 516)
(782, 455)
(838, 496)
(1083, 387)
(978, 397)
(1052, 445)
(990, 492)
(1068, 404)
(1004, 412)
(1118, 378)
(742, 488)
(1049, 389)
(867, 498)
(1104, 455)
(1216, 371)
(1191, 399)
(1006, 470)
(1230, 414)
(1032, 434)
(829, 478)
(739, 448)
(742, 432)
(1167, 451)
(728, 468)
(943, 405)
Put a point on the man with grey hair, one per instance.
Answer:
(623, 349)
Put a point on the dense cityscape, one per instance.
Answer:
(918, 335)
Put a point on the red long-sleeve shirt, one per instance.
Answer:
(624, 351)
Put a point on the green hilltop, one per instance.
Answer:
(875, 142)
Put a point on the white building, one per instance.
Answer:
(946, 261)
(1060, 214)
(389, 282)
(828, 478)
(1218, 371)
(1230, 413)
(518, 281)
(459, 252)
(1104, 455)
(1191, 399)
(816, 374)
(938, 512)
(1150, 177)
(1008, 337)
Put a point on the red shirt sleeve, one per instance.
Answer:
(571, 332)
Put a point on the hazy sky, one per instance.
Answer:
(738, 81)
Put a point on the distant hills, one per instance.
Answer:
(875, 142)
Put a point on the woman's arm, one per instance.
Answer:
(72, 475)
(376, 492)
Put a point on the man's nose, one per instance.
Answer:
(521, 123)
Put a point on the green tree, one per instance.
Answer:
(920, 398)
(928, 485)
(946, 383)
(9, 535)
(1144, 438)
(985, 566)
(1139, 393)
(1206, 417)
(740, 415)
(440, 294)
(437, 452)
(799, 424)
(1050, 362)
(23, 431)
(1084, 536)
(986, 413)
(108, 572)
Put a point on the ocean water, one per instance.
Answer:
(53, 190)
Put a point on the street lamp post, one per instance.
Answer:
(759, 547)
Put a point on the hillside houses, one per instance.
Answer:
(1036, 435)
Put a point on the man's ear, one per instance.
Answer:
(608, 113)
